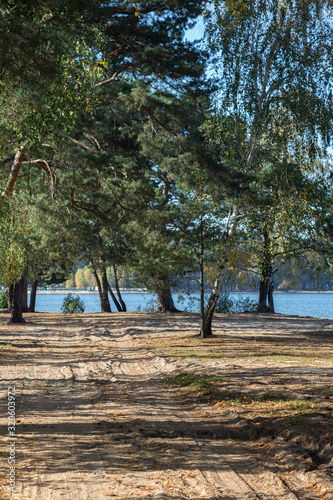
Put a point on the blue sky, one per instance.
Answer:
(196, 32)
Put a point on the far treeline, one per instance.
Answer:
(124, 146)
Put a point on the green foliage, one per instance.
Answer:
(228, 305)
(224, 304)
(204, 386)
(149, 306)
(3, 299)
(13, 235)
(244, 304)
(72, 304)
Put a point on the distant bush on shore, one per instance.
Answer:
(72, 304)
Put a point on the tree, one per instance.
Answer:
(40, 90)
(13, 256)
(274, 62)
(79, 279)
(88, 277)
(152, 79)
(139, 65)
(38, 94)
(292, 189)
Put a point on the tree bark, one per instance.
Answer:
(105, 292)
(33, 293)
(202, 288)
(266, 286)
(25, 292)
(16, 167)
(123, 305)
(16, 303)
(270, 295)
(164, 296)
(114, 298)
(263, 290)
(10, 297)
(206, 321)
(104, 300)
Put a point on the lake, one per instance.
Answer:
(317, 305)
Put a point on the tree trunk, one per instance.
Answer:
(25, 292)
(266, 286)
(104, 299)
(15, 170)
(202, 287)
(16, 303)
(105, 292)
(164, 297)
(123, 305)
(206, 321)
(103, 289)
(263, 290)
(33, 293)
(270, 293)
(116, 303)
(10, 297)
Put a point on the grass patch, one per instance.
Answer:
(302, 407)
(203, 386)
(207, 388)
(299, 406)
(273, 396)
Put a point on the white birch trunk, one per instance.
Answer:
(206, 329)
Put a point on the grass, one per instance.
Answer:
(299, 406)
(219, 348)
(203, 386)
(270, 396)
(206, 388)
(302, 407)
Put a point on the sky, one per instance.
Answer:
(195, 33)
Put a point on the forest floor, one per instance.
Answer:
(136, 405)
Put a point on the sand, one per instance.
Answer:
(96, 418)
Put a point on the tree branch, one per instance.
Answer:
(16, 167)
(97, 143)
(113, 77)
(153, 117)
(83, 145)
(8, 160)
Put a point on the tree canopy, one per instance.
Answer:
(123, 145)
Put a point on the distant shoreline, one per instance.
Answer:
(95, 292)
(81, 292)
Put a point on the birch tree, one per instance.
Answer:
(273, 61)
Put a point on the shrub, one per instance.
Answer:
(224, 304)
(72, 304)
(227, 305)
(3, 299)
(245, 304)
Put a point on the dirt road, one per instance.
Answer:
(95, 419)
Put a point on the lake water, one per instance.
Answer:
(317, 305)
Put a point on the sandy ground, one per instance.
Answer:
(95, 417)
